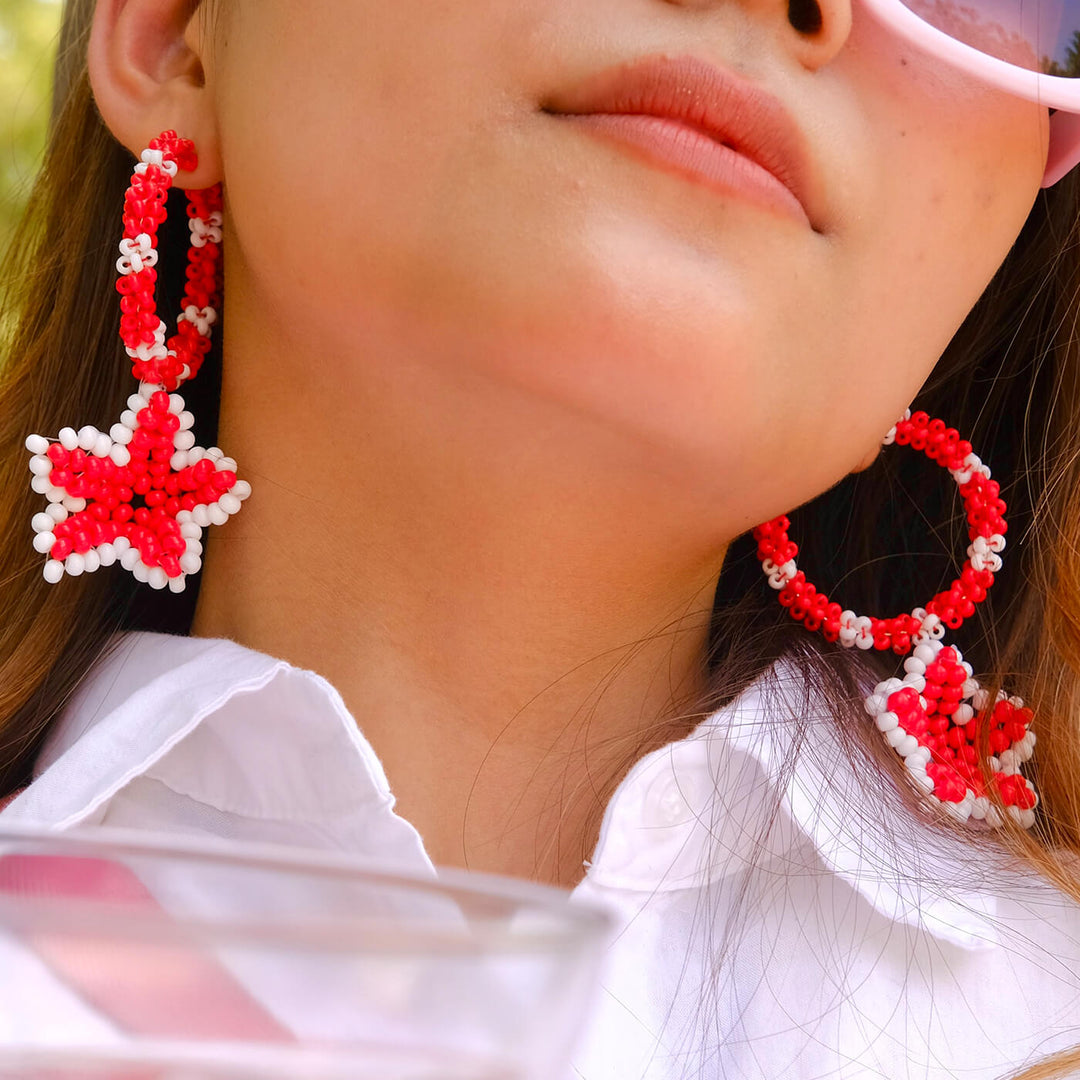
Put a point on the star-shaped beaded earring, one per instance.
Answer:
(142, 493)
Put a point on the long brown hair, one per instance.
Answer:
(880, 540)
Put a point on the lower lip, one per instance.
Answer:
(696, 156)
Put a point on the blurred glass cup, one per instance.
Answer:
(128, 957)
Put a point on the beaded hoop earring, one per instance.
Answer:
(142, 493)
(935, 716)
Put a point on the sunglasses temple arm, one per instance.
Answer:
(1064, 146)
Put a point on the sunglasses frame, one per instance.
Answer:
(1053, 91)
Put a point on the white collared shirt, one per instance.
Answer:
(774, 920)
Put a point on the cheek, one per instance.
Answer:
(344, 129)
(954, 171)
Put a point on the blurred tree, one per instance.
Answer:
(28, 36)
(1071, 67)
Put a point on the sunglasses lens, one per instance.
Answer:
(1040, 35)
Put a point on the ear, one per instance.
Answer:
(148, 65)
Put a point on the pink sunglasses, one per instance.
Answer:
(1030, 49)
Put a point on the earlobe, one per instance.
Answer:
(147, 62)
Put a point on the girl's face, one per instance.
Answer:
(394, 173)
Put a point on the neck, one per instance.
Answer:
(512, 616)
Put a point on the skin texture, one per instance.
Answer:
(505, 392)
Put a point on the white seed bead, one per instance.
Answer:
(176, 404)
(241, 489)
(895, 736)
(120, 545)
(201, 515)
(187, 421)
(57, 512)
(926, 653)
(184, 440)
(69, 438)
(42, 523)
(875, 703)
(120, 455)
(218, 515)
(37, 444)
(920, 754)
(961, 810)
(908, 745)
(179, 461)
(87, 437)
(188, 529)
(141, 572)
(53, 571)
(226, 463)
(93, 561)
(963, 715)
(924, 781)
(43, 542)
(40, 465)
(76, 506)
(157, 578)
(102, 445)
(229, 503)
(886, 721)
(914, 666)
(121, 433)
(75, 564)
(129, 558)
(190, 563)
(107, 554)
(177, 584)
(128, 418)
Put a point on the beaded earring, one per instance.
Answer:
(142, 493)
(936, 716)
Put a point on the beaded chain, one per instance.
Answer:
(937, 717)
(142, 493)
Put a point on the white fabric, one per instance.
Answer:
(774, 921)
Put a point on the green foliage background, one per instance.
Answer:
(28, 35)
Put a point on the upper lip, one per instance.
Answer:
(723, 106)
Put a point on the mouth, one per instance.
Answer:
(705, 124)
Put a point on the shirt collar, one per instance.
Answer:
(267, 722)
(766, 783)
(756, 779)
